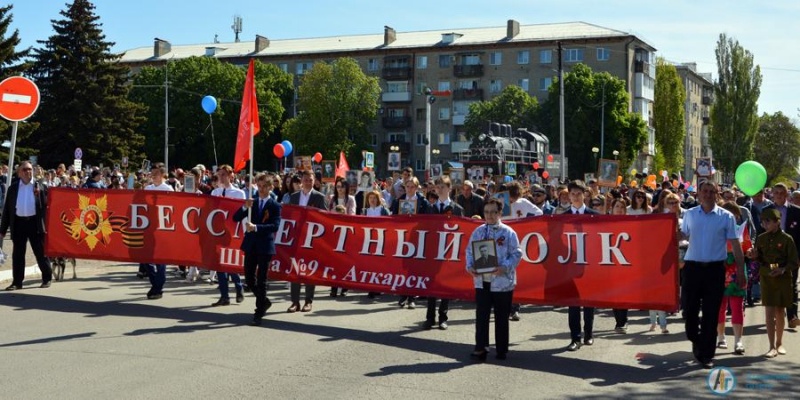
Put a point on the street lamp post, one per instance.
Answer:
(594, 153)
(615, 153)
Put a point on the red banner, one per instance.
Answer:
(600, 261)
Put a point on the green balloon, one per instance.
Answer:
(751, 177)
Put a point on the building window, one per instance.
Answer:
(444, 61)
(496, 86)
(523, 57)
(467, 84)
(372, 64)
(420, 139)
(397, 137)
(397, 87)
(444, 86)
(574, 55)
(422, 62)
(420, 164)
(374, 140)
(496, 58)
(421, 86)
(420, 114)
(302, 68)
(284, 67)
(524, 84)
(444, 113)
(471, 59)
(603, 54)
(545, 56)
(444, 138)
(461, 107)
(397, 112)
(544, 83)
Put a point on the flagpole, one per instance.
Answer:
(250, 182)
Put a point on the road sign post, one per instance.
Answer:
(19, 99)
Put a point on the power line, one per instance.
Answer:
(172, 87)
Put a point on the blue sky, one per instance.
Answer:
(681, 30)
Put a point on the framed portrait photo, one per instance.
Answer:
(436, 171)
(511, 169)
(328, 171)
(506, 199)
(703, 167)
(189, 184)
(366, 179)
(407, 207)
(394, 162)
(484, 255)
(457, 177)
(352, 178)
(607, 172)
(369, 159)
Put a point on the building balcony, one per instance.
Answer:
(707, 100)
(467, 71)
(644, 68)
(706, 120)
(458, 119)
(468, 94)
(396, 122)
(397, 73)
(457, 147)
(391, 97)
(704, 141)
(404, 147)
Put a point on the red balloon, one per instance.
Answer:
(550, 157)
(536, 165)
(317, 157)
(279, 150)
(545, 174)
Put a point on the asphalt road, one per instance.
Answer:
(98, 337)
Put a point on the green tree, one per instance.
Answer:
(11, 64)
(84, 94)
(669, 115)
(583, 99)
(777, 146)
(337, 103)
(191, 79)
(734, 115)
(513, 106)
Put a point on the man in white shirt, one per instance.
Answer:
(226, 189)
(520, 206)
(23, 213)
(157, 272)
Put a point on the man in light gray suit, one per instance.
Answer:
(306, 197)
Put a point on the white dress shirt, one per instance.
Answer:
(26, 202)
(304, 197)
(578, 210)
(162, 187)
(229, 192)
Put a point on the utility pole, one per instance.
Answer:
(562, 146)
(166, 116)
(603, 123)
(428, 100)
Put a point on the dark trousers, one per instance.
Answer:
(255, 275)
(485, 300)
(158, 277)
(621, 316)
(24, 232)
(703, 287)
(444, 305)
(575, 322)
(295, 292)
(791, 311)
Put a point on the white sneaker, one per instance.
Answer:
(739, 348)
(722, 344)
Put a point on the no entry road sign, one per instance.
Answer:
(19, 98)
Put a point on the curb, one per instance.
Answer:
(30, 272)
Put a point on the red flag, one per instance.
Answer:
(247, 117)
(342, 167)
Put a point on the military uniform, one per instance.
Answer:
(776, 248)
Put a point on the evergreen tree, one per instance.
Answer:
(11, 64)
(84, 94)
(669, 115)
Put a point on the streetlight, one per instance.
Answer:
(595, 150)
(436, 153)
(394, 148)
(615, 153)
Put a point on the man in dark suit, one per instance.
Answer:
(23, 213)
(448, 207)
(306, 197)
(577, 193)
(411, 185)
(469, 201)
(790, 223)
(259, 242)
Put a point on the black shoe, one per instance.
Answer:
(221, 302)
(574, 346)
(707, 363)
(256, 321)
(45, 285)
(501, 356)
(427, 325)
(239, 297)
(13, 287)
(140, 275)
(333, 292)
(588, 341)
(401, 303)
(479, 355)
(343, 293)
(443, 325)
(154, 296)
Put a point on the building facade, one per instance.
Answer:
(472, 64)
(697, 113)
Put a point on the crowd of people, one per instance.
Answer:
(734, 251)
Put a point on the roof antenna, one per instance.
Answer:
(237, 26)
(216, 38)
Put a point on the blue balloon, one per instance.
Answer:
(507, 179)
(288, 146)
(209, 104)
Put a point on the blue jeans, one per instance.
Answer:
(222, 277)
(158, 276)
(661, 316)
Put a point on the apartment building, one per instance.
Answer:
(474, 64)
(697, 109)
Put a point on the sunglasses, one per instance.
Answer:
(538, 194)
(596, 204)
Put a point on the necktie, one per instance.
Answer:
(441, 208)
(223, 192)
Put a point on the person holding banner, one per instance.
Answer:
(420, 206)
(494, 290)
(226, 189)
(306, 197)
(157, 272)
(23, 213)
(259, 243)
